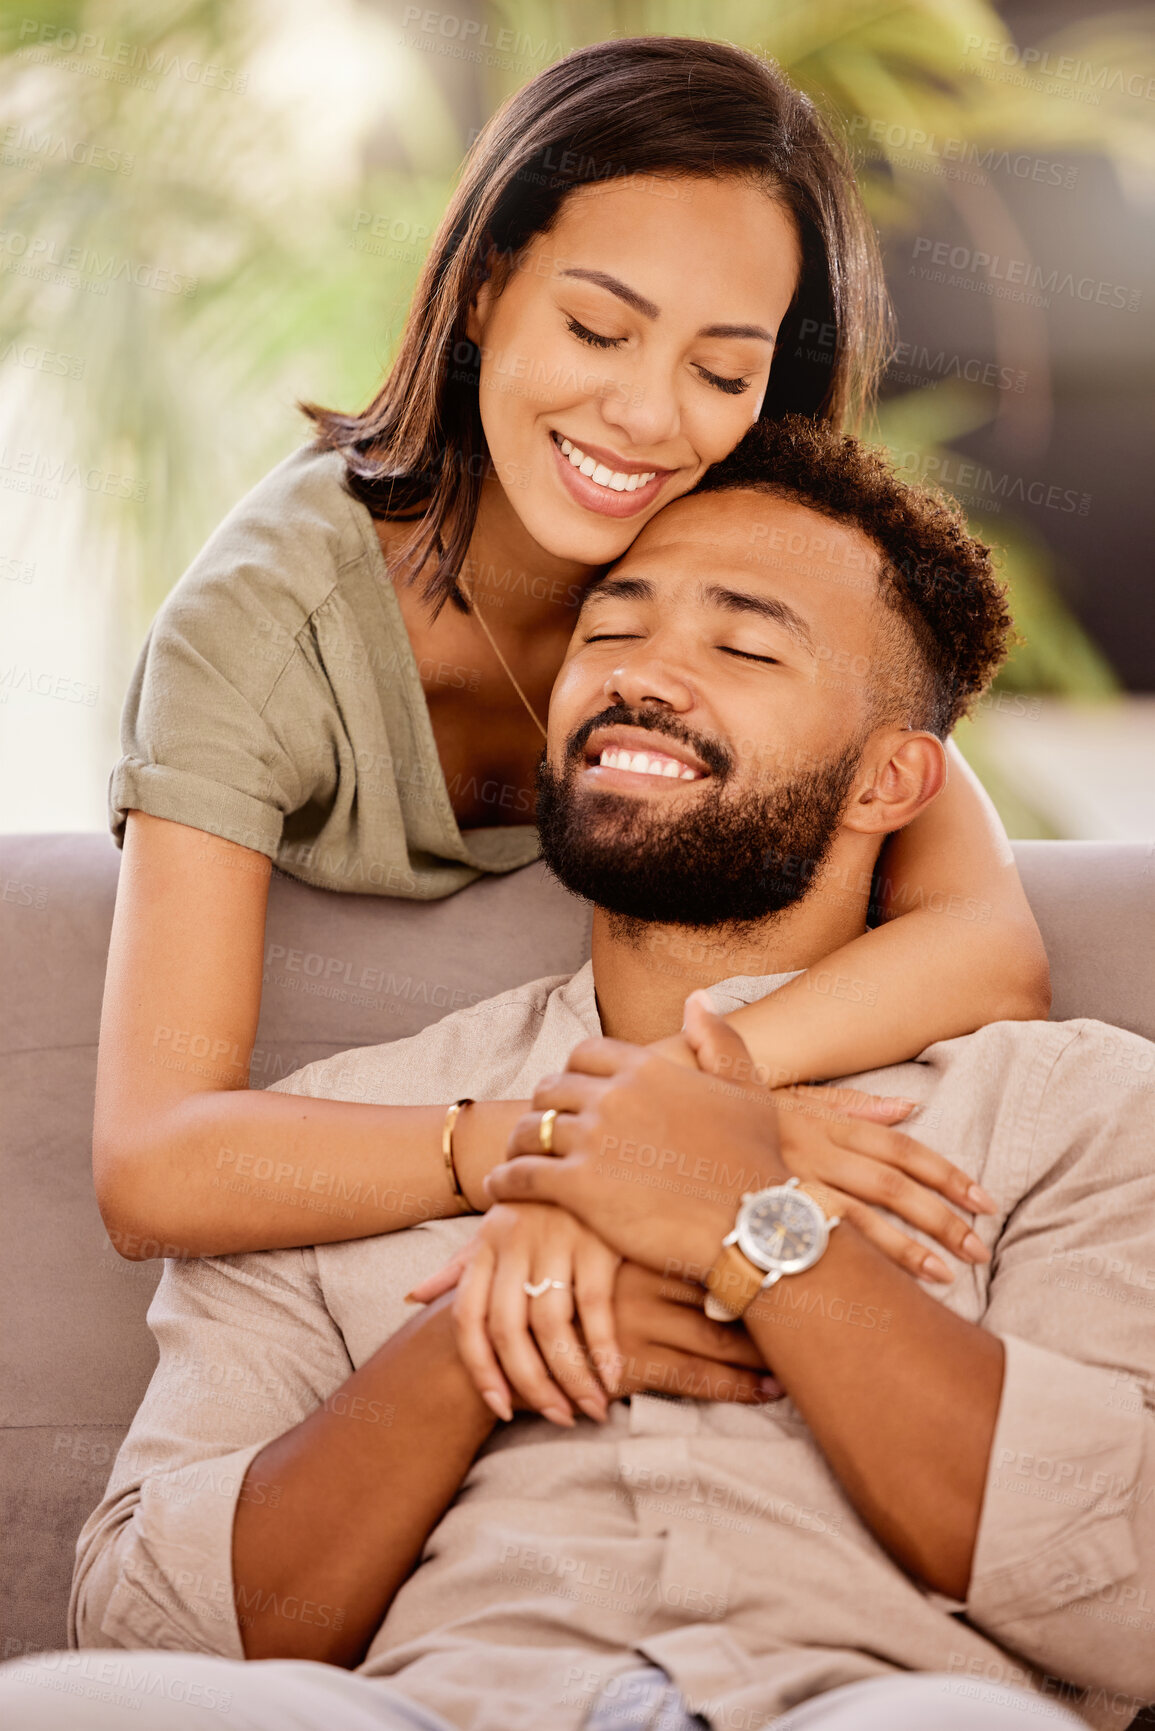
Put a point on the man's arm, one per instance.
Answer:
(363, 1480)
(249, 1351)
(900, 1394)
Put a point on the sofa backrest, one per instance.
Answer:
(340, 971)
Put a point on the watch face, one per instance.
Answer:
(782, 1229)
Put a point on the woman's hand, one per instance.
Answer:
(846, 1140)
(641, 1331)
(500, 1328)
(843, 1139)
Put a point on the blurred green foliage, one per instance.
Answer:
(286, 168)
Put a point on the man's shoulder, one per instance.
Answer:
(1031, 1091)
(1000, 1048)
(1078, 1050)
(481, 1048)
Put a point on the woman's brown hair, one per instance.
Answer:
(646, 105)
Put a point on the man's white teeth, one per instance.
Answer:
(646, 763)
(603, 476)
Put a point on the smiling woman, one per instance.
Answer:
(620, 287)
(672, 384)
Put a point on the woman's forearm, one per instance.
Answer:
(361, 1483)
(959, 948)
(187, 1160)
(879, 1001)
(227, 1171)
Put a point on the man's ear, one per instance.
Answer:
(904, 772)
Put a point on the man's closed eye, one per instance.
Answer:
(748, 655)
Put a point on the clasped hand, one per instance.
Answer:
(650, 1159)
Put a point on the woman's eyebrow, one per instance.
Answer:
(736, 331)
(616, 287)
(649, 310)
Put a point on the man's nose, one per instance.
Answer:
(643, 679)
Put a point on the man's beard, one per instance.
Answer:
(710, 860)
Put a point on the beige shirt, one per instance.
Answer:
(277, 702)
(712, 1538)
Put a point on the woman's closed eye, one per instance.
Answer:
(749, 655)
(595, 340)
(732, 387)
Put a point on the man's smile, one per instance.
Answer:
(635, 757)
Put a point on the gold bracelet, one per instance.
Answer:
(447, 1149)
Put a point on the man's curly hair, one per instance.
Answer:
(933, 573)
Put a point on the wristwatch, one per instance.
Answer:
(779, 1231)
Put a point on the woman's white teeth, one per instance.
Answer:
(615, 479)
(646, 763)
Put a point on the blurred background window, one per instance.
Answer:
(209, 208)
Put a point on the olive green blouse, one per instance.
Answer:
(277, 703)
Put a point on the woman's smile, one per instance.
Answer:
(602, 481)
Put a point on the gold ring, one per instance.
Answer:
(545, 1130)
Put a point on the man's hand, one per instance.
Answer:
(651, 1155)
(846, 1140)
(669, 1346)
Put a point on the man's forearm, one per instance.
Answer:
(900, 1393)
(360, 1485)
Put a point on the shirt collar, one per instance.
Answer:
(579, 997)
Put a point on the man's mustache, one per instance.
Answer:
(717, 758)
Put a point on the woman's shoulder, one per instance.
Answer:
(280, 551)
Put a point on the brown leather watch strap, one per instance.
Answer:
(734, 1281)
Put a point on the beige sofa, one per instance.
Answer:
(341, 971)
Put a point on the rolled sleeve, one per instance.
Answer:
(247, 1350)
(1064, 1563)
(171, 1582)
(202, 735)
(1061, 1574)
(183, 796)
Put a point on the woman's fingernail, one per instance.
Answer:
(974, 1247)
(979, 1200)
(771, 1388)
(593, 1409)
(498, 1404)
(412, 1298)
(559, 1415)
(936, 1270)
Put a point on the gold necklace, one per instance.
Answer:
(505, 664)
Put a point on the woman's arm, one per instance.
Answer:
(959, 948)
(175, 1134)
